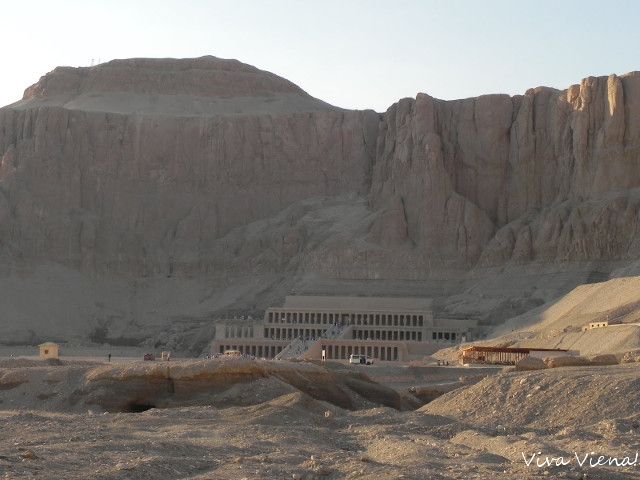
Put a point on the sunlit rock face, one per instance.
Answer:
(547, 176)
(210, 174)
(139, 166)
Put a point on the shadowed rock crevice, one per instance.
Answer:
(138, 407)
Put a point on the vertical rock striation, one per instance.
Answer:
(234, 183)
(140, 166)
(548, 176)
(102, 169)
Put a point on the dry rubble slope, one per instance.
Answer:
(559, 323)
(259, 431)
(137, 180)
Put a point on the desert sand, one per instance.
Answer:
(263, 420)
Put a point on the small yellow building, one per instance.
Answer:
(593, 325)
(49, 350)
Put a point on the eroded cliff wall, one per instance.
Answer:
(233, 184)
(148, 193)
(549, 176)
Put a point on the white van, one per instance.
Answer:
(360, 359)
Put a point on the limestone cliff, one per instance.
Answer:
(102, 172)
(548, 176)
(215, 172)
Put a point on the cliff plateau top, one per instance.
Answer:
(192, 86)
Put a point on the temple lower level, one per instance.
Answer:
(382, 328)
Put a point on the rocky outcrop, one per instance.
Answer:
(75, 386)
(566, 361)
(203, 77)
(496, 179)
(227, 382)
(530, 363)
(149, 193)
(139, 166)
(605, 359)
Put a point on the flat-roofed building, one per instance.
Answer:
(385, 328)
(486, 354)
(49, 350)
(599, 324)
(247, 337)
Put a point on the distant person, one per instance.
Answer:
(109, 356)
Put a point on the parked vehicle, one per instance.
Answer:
(149, 357)
(233, 353)
(360, 360)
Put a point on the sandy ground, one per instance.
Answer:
(266, 431)
(79, 353)
(559, 323)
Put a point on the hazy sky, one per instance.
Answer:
(354, 54)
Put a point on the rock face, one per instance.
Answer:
(566, 361)
(205, 168)
(204, 77)
(224, 382)
(545, 176)
(530, 363)
(148, 192)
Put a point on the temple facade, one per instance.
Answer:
(383, 328)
